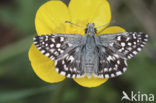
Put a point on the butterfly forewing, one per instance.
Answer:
(55, 46)
(127, 43)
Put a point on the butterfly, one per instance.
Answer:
(103, 56)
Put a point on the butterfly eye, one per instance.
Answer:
(86, 30)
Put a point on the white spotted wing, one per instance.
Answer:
(65, 50)
(115, 49)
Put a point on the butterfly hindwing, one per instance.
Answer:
(70, 65)
(110, 64)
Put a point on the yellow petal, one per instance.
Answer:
(112, 29)
(90, 11)
(51, 17)
(43, 66)
(94, 82)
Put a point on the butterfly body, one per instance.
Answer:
(90, 57)
(103, 56)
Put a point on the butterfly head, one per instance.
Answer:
(90, 29)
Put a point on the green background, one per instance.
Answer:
(19, 83)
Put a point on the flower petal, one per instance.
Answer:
(112, 29)
(51, 17)
(90, 11)
(92, 82)
(43, 66)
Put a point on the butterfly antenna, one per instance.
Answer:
(74, 24)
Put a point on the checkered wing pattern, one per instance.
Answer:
(115, 49)
(70, 64)
(64, 49)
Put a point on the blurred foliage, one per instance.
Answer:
(18, 82)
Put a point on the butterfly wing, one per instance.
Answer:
(126, 43)
(110, 64)
(70, 65)
(65, 50)
(55, 46)
(115, 49)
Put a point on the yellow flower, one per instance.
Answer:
(50, 19)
